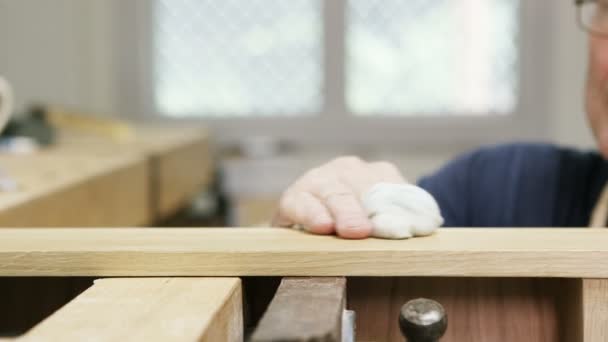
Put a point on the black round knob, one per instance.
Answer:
(422, 320)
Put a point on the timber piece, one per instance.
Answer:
(149, 309)
(594, 309)
(179, 160)
(59, 190)
(565, 253)
(26, 301)
(181, 171)
(304, 309)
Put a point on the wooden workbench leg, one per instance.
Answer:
(304, 309)
(149, 309)
(595, 309)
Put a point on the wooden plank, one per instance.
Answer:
(181, 174)
(570, 310)
(179, 159)
(304, 309)
(149, 309)
(26, 301)
(371, 299)
(104, 183)
(595, 309)
(75, 191)
(570, 253)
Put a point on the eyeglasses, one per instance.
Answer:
(593, 16)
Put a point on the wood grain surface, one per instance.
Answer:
(86, 181)
(181, 173)
(574, 253)
(178, 157)
(595, 309)
(149, 309)
(26, 301)
(304, 310)
(57, 190)
(478, 309)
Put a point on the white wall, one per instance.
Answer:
(58, 51)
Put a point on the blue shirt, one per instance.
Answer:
(519, 185)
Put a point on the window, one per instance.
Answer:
(308, 67)
(237, 57)
(432, 57)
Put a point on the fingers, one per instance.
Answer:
(327, 199)
(302, 208)
(350, 218)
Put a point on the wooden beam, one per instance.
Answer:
(88, 181)
(568, 253)
(179, 160)
(149, 309)
(595, 310)
(60, 190)
(181, 172)
(306, 310)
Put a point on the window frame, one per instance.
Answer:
(528, 122)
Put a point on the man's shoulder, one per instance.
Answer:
(521, 184)
(533, 159)
(500, 165)
(528, 153)
(540, 184)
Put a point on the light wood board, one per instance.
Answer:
(57, 190)
(179, 159)
(149, 309)
(181, 174)
(595, 309)
(574, 253)
(85, 181)
(26, 301)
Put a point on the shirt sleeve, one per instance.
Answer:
(512, 185)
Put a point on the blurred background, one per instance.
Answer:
(283, 86)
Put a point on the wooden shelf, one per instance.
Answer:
(568, 253)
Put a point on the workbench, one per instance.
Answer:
(495, 284)
(85, 181)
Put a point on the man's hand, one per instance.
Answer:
(327, 199)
